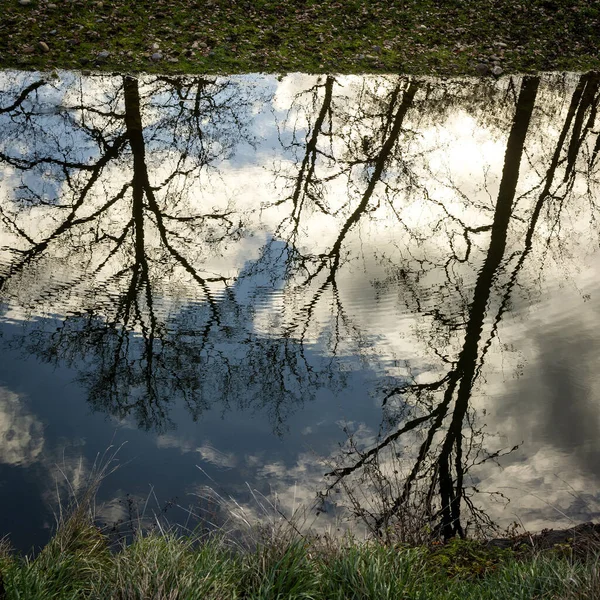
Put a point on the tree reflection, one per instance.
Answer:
(439, 410)
(123, 186)
(131, 217)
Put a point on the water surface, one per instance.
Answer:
(258, 280)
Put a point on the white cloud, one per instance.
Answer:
(21, 432)
(208, 453)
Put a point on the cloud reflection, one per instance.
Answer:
(21, 432)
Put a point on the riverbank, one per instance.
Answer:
(81, 561)
(144, 558)
(424, 37)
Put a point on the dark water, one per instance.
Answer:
(254, 281)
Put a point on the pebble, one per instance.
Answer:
(494, 58)
(497, 71)
(28, 50)
(103, 55)
(100, 4)
(482, 69)
(53, 32)
(156, 56)
(51, 5)
(501, 45)
(155, 46)
(44, 47)
(24, 2)
(377, 49)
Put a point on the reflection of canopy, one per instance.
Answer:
(123, 210)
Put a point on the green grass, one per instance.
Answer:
(278, 562)
(77, 563)
(444, 37)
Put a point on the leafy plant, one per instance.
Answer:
(466, 559)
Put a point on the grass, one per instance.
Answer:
(279, 562)
(443, 37)
(162, 566)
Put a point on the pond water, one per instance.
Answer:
(257, 280)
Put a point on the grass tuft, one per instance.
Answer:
(280, 562)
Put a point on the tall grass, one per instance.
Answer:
(80, 562)
(165, 567)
